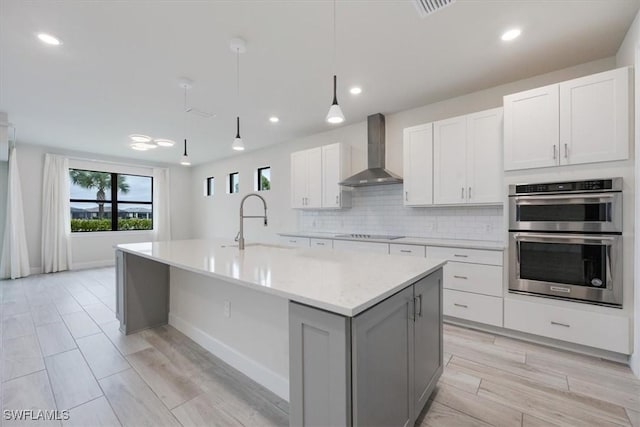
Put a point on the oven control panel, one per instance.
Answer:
(612, 184)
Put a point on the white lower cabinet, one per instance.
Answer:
(408, 250)
(474, 307)
(476, 256)
(299, 242)
(369, 247)
(322, 243)
(604, 331)
(477, 278)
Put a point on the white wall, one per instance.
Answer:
(4, 171)
(91, 249)
(629, 54)
(217, 216)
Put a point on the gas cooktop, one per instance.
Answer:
(369, 236)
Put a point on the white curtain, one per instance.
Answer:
(56, 217)
(161, 206)
(15, 257)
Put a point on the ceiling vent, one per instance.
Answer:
(427, 7)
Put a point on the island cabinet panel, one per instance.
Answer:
(143, 286)
(320, 367)
(375, 369)
(383, 362)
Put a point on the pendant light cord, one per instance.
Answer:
(238, 77)
(335, 48)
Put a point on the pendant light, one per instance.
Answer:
(239, 46)
(335, 116)
(186, 84)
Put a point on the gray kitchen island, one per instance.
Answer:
(350, 339)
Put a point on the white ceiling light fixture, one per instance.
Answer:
(355, 90)
(162, 142)
(239, 46)
(511, 34)
(139, 146)
(136, 137)
(49, 39)
(335, 116)
(274, 119)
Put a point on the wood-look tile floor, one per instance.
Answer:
(61, 349)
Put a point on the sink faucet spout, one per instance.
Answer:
(243, 216)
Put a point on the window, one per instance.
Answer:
(95, 196)
(209, 186)
(234, 183)
(264, 178)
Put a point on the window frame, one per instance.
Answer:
(209, 186)
(259, 180)
(114, 201)
(231, 189)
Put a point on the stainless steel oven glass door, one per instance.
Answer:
(599, 212)
(581, 267)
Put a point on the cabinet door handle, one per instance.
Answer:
(406, 251)
(319, 243)
(566, 151)
(469, 194)
(406, 196)
(419, 300)
(337, 200)
(461, 277)
(460, 305)
(560, 324)
(462, 193)
(293, 241)
(554, 151)
(460, 256)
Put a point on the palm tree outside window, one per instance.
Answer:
(99, 205)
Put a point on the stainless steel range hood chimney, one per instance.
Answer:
(375, 174)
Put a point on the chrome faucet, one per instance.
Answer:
(242, 217)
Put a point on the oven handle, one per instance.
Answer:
(567, 196)
(523, 237)
(565, 200)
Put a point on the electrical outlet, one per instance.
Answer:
(227, 309)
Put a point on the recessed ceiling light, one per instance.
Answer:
(49, 39)
(139, 138)
(274, 119)
(511, 34)
(355, 90)
(164, 142)
(139, 146)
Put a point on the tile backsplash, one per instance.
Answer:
(380, 210)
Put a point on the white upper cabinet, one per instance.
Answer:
(336, 164)
(449, 161)
(315, 174)
(531, 129)
(585, 120)
(594, 118)
(484, 157)
(467, 164)
(418, 165)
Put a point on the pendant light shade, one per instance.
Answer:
(335, 115)
(185, 157)
(238, 145)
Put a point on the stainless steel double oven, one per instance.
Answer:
(565, 240)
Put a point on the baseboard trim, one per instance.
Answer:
(93, 264)
(536, 339)
(249, 367)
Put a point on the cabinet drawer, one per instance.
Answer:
(301, 242)
(589, 328)
(369, 247)
(410, 250)
(474, 307)
(322, 243)
(478, 278)
(476, 256)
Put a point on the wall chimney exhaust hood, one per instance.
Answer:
(375, 174)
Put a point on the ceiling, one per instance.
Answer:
(118, 68)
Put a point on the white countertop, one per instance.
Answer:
(422, 241)
(346, 283)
